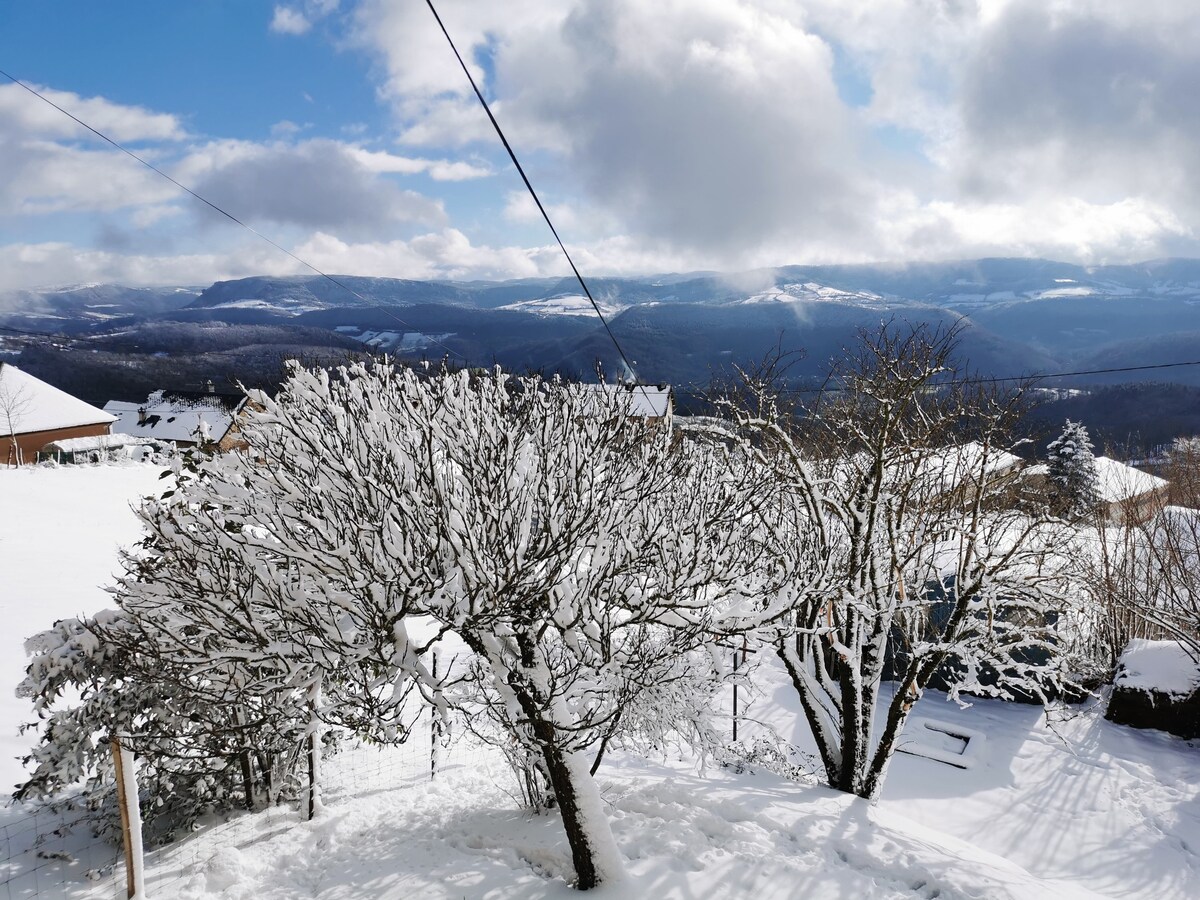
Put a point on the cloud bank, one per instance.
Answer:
(680, 134)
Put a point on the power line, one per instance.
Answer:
(228, 215)
(529, 186)
(533, 193)
(29, 333)
(998, 379)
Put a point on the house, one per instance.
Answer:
(962, 472)
(1128, 496)
(184, 418)
(34, 413)
(654, 403)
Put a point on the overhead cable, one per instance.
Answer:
(529, 186)
(228, 215)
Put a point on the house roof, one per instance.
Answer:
(1116, 481)
(644, 400)
(968, 461)
(36, 406)
(190, 416)
(95, 442)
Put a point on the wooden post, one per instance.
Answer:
(312, 777)
(314, 754)
(434, 729)
(735, 697)
(131, 818)
(247, 779)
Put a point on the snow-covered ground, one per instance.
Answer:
(59, 533)
(1069, 806)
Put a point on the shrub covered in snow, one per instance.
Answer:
(905, 546)
(584, 558)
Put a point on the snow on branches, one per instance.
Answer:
(910, 555)
(584, 558)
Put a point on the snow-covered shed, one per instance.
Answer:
(1128, 495)
(34, 413)
(183, 418)
(98, 448)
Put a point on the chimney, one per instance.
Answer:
(210, 387)
(141, 415)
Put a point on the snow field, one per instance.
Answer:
(715, 835)
(59, 533)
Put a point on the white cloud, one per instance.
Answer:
(21, 113)
(56, 263)
(147, 216)
(39, 177)
(288, 20)
(315, 184)
(680, 134)
(438, 169)
(520, 208)
(286, 129)
(721, 128)
(295, 20)
(712, 121)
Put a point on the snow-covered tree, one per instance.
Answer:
(585, 558)
(907, 553)
(1071, 472)
(575, 549)
(205, 670)
(15, 403)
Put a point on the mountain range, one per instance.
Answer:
(1022, 316)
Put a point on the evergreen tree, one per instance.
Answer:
(1071, 471)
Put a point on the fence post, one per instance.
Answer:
(435, 729)
(131, 819)
(735, 694)
(314, 755)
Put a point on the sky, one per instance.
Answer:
(671, 136)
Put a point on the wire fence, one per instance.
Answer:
(52, 853)
(55, 854)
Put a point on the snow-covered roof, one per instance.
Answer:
(36, 406)
(96, 442)
(165, 417)
(969, 460)
(1116, 481)
(644, 400)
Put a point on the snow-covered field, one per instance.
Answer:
(1069, 806)
(59, 533)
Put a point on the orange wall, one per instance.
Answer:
(34, 441)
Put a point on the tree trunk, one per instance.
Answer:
(593, 850)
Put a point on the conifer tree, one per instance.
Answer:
(1072, 472)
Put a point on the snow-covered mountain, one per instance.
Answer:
(561, 305)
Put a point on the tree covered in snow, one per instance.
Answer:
(1071, 472)
(576, 550)
(908, 553)
(585, 558)
(15, 403)
(209, 669)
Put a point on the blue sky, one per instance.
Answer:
(213, 63)
(684, 134)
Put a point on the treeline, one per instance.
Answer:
(119, 369)
(1129, 420)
